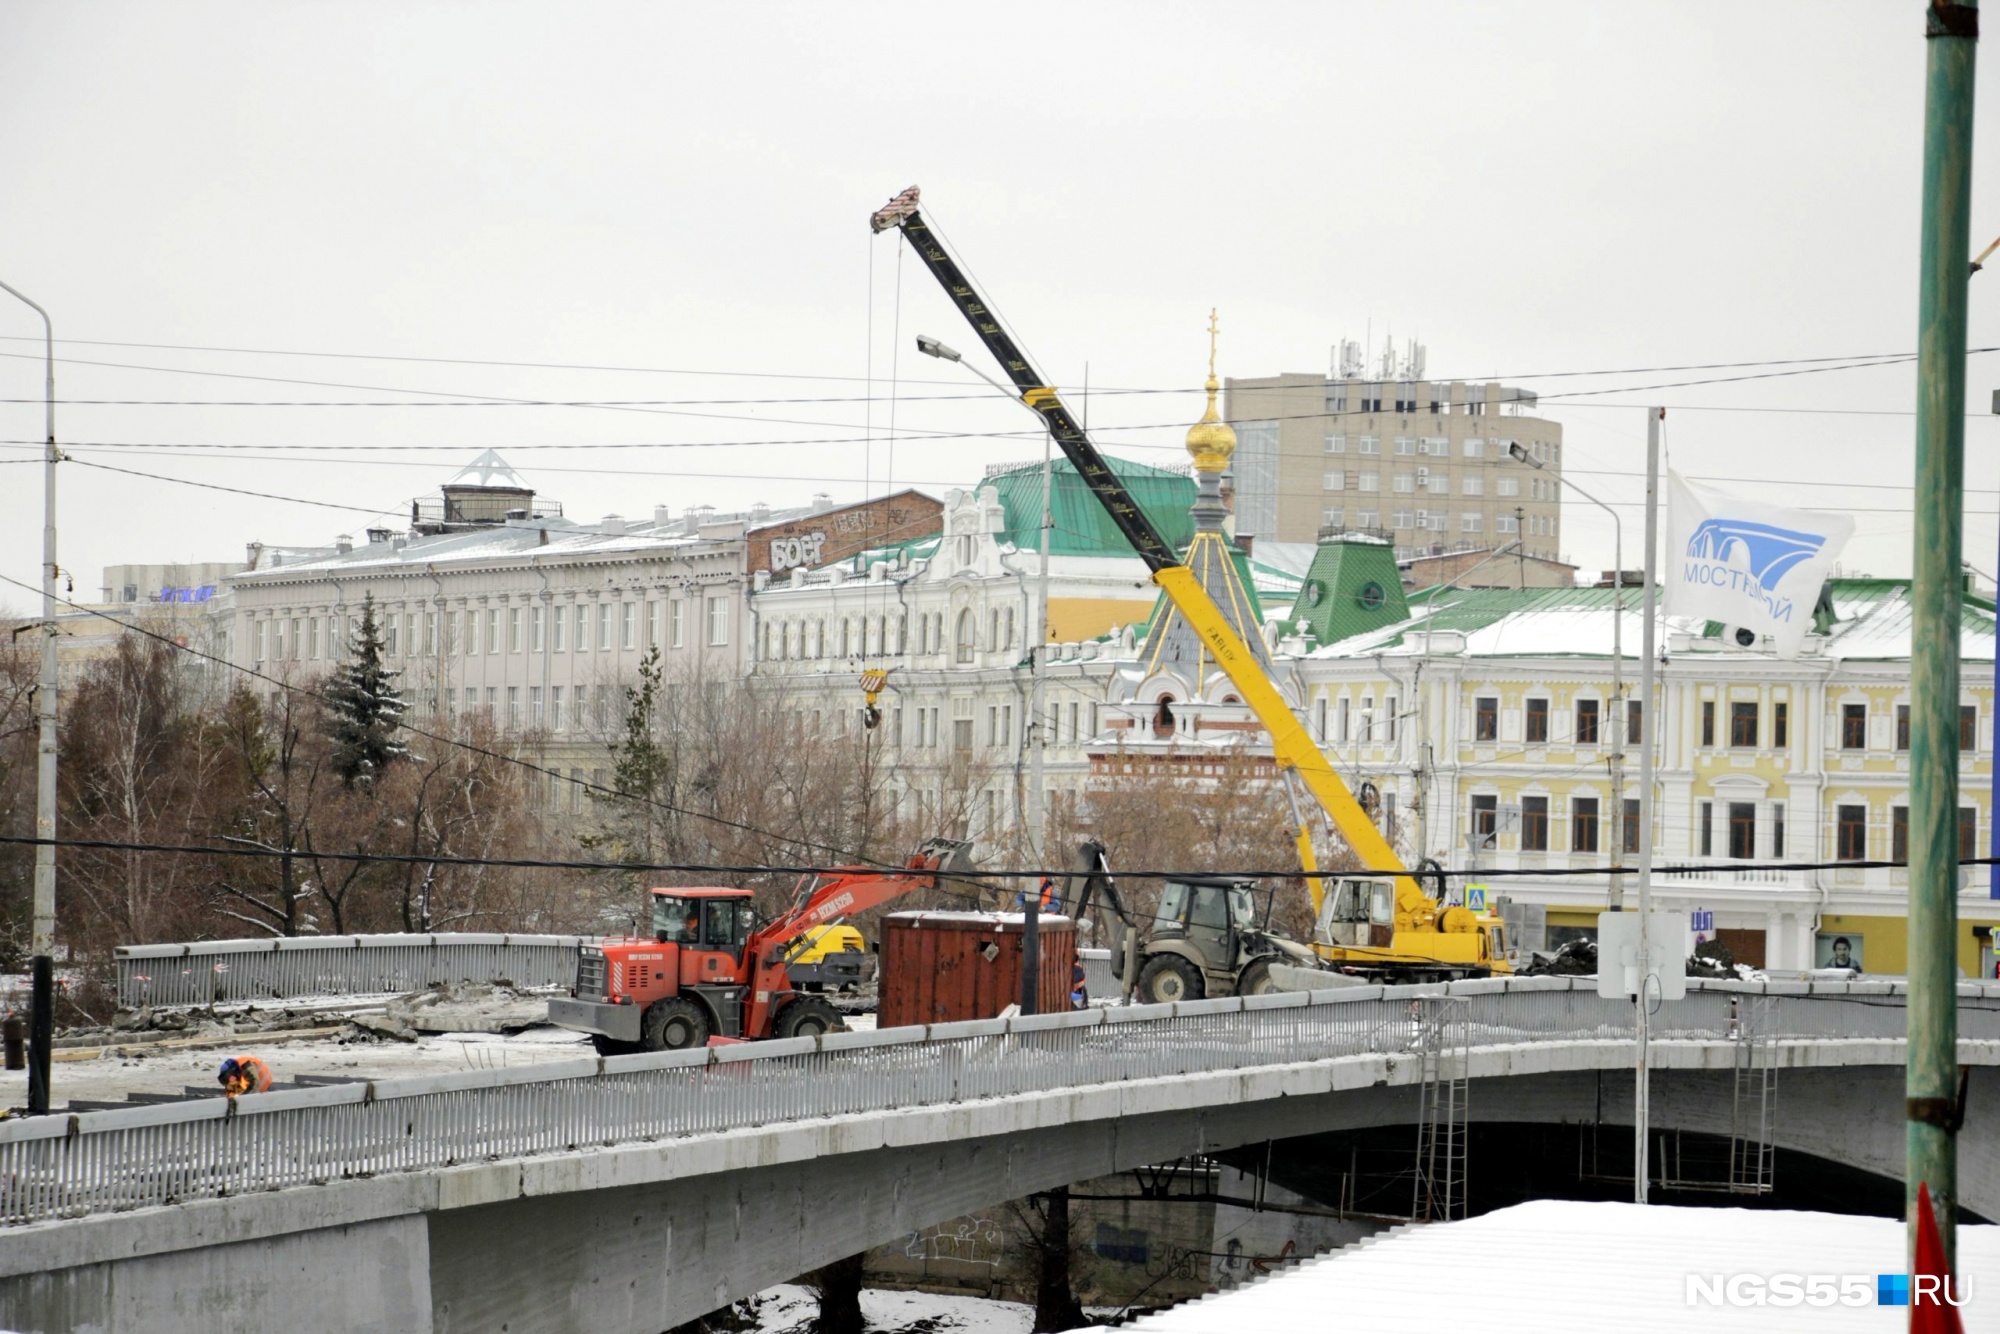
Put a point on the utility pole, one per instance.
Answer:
(41, 1018)
(1931, 1080)
(1649, 728)
(1038, 725)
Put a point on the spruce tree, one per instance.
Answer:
(364, 707)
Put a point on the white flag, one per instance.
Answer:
(1745, 563)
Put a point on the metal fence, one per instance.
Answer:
(61, 1166)
(295, 966)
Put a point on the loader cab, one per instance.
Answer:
(1358, 912)
(709, 925)
(1210, 914)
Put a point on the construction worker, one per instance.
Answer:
(1079, 994)
(1050, 901)
(244, 1074)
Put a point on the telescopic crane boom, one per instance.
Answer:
(1291, 744)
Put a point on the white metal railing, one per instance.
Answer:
(293, 966)
(93, 1162)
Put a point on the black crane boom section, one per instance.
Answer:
(1035, 392)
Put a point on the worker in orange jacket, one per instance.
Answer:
(244, 1074)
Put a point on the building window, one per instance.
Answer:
(514, 706)
(1631, 824)
(1743, 724)
(1485, 819)
(1366, 518)
(718, 622)
(1475, 448)
(1474, 485)
(1486, 718)
(1586, 722)
(1389, 720)
(965, 643)
(1902, 727)
(652, 624)
(534, 706)
(1850, 833)
(535, 633)
(1781, 725)
(559, 629)
(1370, 481)
(677, 623)
(1778, 826)
(1371, 444)
(1342, 732)
(1534, 824)
(1403, 482)
(1406, 444)
(1336, 444)
(1507, 486)
(1899, 833)
(1706, 828)
(1333, 518)
(1400, 519)
(1968, 728)
(1537, 722)
(1583, 824)
(1635, 724)
(1968, 833)
(1854, 727)
(1367, 736)
(604, 628)
(555, 708)
(1742, 830)
(391, 626)
(1336, 480)
(1470, 523)
(1708, 722)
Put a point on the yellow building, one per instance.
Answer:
(1486, 719)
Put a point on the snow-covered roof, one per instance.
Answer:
(1872, 622)
(1570, 1265)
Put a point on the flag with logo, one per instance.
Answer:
(1746, 563)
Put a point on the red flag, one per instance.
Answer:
(1935, 1315)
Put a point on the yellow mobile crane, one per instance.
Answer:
(1378, 922)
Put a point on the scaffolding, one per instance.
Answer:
(1744, 1163)
(1443, 1090)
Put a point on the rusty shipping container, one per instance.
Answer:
(938, 967)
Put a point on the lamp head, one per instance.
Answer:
(931, 347)
(1520, 454)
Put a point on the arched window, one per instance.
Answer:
(967, 638)
(1163, 717)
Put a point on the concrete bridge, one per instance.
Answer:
(634, 1193)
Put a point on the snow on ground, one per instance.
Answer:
(167, 1071)
(791, 1309)
(1559, 1265)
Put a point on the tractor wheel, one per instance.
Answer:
(612, 1046)
(806, 1017)
(672, 1025)
(1168, 977)
(1255, 979)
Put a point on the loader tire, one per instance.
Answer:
(1255, 979)
(806, 1017)
(1168, 977)
(674, 1025)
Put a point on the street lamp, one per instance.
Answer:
(1520, 454)
(41, 1028)
(1037, 733)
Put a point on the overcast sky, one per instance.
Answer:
(1532, 189)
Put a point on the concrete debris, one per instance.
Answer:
(469, 1007)
(384, 1026)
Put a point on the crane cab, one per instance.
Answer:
(1358, 913)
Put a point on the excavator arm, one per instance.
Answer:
(1292, 745)
(860, 888)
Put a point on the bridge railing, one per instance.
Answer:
(60, 1166)
(294, 966)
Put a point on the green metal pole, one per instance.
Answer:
(1952, 32)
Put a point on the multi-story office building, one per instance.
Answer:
(1425, 463)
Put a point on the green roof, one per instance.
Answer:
(1352, 588)
(1082, 527)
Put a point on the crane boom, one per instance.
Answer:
(1292, 746)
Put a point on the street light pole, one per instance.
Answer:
(1617, 719)
(41, 1030)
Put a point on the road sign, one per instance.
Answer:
(1475, 897)
(1619, 967)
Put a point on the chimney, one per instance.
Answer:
(344, 543)
(612, 525)
(377, 536)
(822, 502)
(662, 516)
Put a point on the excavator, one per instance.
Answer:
(711, 970)
(1378, 924)
(1204, 937)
